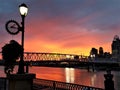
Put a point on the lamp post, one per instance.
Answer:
(23, 11)
(14, 28)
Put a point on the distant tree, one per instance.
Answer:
(10, 53)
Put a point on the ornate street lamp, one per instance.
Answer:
(13, 28)
(23, 11)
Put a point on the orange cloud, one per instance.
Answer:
(61, 36)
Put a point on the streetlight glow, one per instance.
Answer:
(23, 9)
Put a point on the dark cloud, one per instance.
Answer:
(64, 21)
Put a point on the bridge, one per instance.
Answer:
(38, 56)
(64, 60)
(67, 60)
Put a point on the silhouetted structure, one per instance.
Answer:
(109, 83)
(93, 53)
(101, 52)
(116, 47)
(11, 52)
(101, 55)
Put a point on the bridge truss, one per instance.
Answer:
(28, 56)
(38, 56)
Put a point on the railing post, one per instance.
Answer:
(88, 88)
(54, 86)
(5, 84)
(109, 83)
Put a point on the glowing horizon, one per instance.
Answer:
(65, 26)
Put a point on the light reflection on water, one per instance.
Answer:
(71, 75)
(77, 76)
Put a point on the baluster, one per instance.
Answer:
(54, 86)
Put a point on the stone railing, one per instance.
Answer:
(56, 85)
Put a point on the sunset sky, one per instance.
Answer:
(63, 26)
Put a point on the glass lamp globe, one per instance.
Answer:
(23, 9)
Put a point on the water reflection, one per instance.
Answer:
(93, 78)
(70, 75)
(49, 73)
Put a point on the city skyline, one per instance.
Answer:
(63, 26)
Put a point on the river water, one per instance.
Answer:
(71, 75)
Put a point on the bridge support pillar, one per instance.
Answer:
(27, 68)
(20, 81)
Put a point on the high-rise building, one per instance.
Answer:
(93, 53)
(101, 52)
(116, 47)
